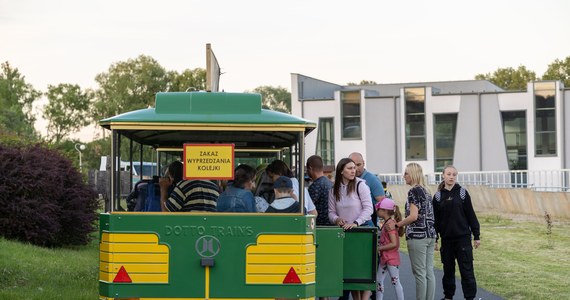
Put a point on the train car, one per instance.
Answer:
(210, 255)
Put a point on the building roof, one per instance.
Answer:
(438, 87)
(315, 89)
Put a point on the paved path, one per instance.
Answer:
(409, 284)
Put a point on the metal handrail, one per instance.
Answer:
(538, 180)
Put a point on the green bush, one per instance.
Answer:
(43, 198)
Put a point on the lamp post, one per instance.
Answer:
(80, 147)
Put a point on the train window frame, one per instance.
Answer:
(288, 154)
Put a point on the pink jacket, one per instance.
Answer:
(351, 207)
(389, 257)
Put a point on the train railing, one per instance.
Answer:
(538, 180)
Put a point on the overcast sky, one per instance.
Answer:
(262, 42)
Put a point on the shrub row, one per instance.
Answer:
(43, 198)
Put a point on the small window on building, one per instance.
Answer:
(545, 118)
(325, 141)
(351, 128)
(415, 123)
(445, 126)
(514, 129)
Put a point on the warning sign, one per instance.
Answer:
(208, 161)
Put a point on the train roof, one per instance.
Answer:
(208, 112)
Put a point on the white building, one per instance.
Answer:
(472, 124)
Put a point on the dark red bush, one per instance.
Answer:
(43, 198)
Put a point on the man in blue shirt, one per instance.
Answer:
(376, 188)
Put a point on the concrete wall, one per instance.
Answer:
(505, 201)
(467, 151)
(381, 140)
(493, 147)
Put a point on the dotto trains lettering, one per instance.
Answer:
(222, 231)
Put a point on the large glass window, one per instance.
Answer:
(545, 118)
(351, 128)
(415, 123)
(325, 141)
(445, 126)
(514, 129)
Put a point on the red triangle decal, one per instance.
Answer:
(292, 277)
(122, 276)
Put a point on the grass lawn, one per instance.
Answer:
(30, 272)
(519, 260)
(515, 261)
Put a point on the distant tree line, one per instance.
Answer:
(132, 84)
(516, 79)
(125, 86)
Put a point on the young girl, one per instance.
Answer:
(388, 246)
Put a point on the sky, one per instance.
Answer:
(261, 42)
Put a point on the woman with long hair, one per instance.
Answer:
(420, 231)
(350, 204)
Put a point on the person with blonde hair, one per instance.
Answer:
(420, 231)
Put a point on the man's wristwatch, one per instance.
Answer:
(355, 223)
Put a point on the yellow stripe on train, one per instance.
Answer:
(144, 260)
(272, 257)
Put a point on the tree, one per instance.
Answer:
(128, 86)
(509, 78)
(16, 99)
(363, 82)
(275, 98)
(67, 110)
(559, 70)
(188, 80)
